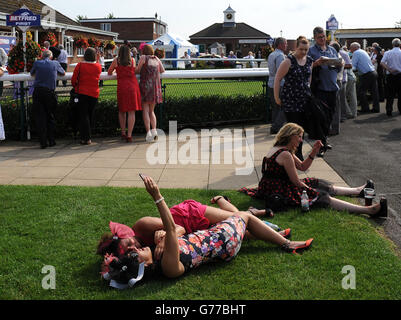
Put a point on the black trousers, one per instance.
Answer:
(393, 90)
(329, 98)
(64, 66)
(44, 106)
(86, 107)
(368, 82)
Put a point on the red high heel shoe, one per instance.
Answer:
(286, 233)
(297, 249)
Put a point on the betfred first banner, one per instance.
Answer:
(23, 18)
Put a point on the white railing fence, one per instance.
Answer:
(169, 74)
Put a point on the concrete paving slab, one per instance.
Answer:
(112, 162)
(93, 162)
(22, 162)
(133, 174)
(46, 173)
(92, 173)
(133, 163)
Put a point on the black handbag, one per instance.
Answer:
(275, 202)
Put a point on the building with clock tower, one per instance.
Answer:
(231, 35)
(229, 17)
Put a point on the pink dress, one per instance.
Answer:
(128, 93)
(151, 90)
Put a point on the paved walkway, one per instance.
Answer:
(112, 162)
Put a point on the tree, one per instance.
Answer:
(110, 16)
(398, 24)
(80, 17)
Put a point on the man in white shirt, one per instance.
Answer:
(391, 62)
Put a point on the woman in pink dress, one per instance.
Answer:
(128, 93)
(150, 68)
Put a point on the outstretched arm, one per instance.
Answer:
(171, 264)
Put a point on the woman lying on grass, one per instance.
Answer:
(182, 253)
(189, 216)
(280, 177)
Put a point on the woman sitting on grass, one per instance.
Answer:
(280, 177)
(183, 253)
(189, 216)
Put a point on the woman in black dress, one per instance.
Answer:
(296, 69)
(280, 176)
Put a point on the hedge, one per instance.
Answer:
(190, 112)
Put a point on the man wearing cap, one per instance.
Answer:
(391, 62)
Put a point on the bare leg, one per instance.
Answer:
(215, 215)
(344, 205)
(131, 122)
(261, 231)
(145, 116)
(344, 191)
(224, 204)
(122, 119)
(152, 116)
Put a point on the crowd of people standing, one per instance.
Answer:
(329, 74)
(132, 96)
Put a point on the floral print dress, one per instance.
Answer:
(222, 241)
(296, 90)
(150, 85)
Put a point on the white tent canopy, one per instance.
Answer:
(174, 46)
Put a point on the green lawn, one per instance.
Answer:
(60, 227)
(197, 87)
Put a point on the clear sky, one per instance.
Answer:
(292, 17)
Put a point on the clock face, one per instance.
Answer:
(229, 16)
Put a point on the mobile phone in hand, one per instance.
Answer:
(142, 176)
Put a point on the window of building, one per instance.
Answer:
(69, 45)
(80, 51)
(105, 26)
